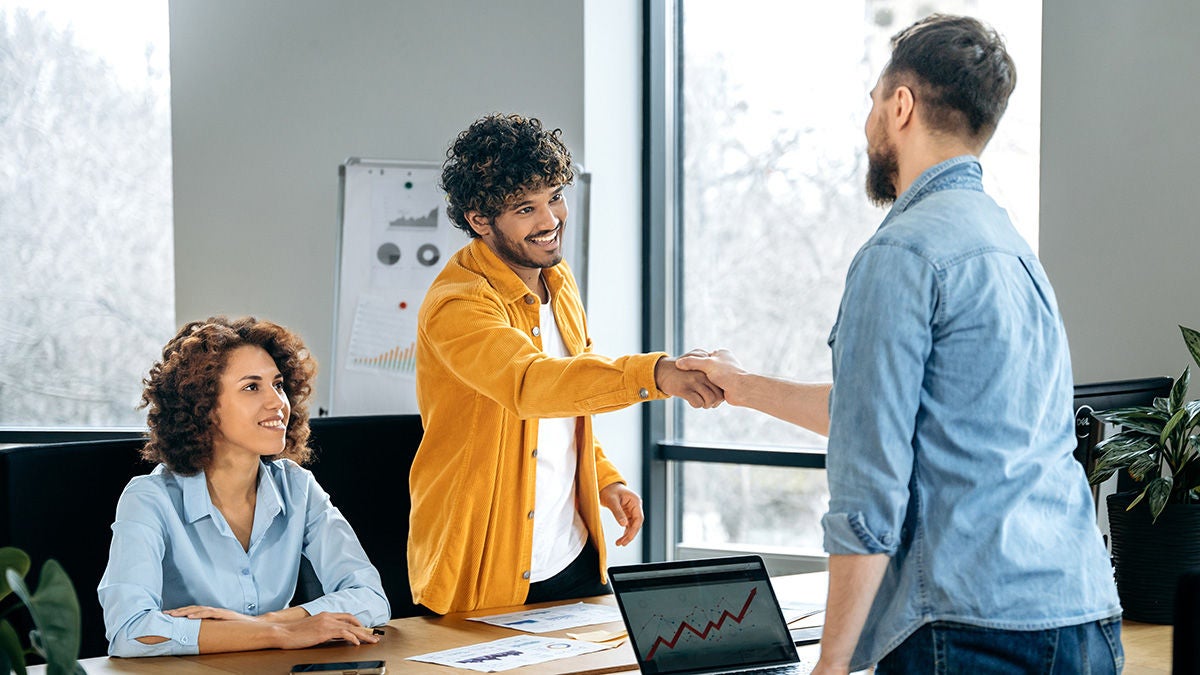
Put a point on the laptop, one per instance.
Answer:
(705, 617)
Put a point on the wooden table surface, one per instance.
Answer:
(1147, 646)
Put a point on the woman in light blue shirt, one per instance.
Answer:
(206, 548)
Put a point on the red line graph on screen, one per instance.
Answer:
(702, 634)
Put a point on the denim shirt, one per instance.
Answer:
(172, 548)
(951, 435)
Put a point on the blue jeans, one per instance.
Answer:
(945, 647)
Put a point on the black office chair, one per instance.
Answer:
(58, 502)
(1186, 636)
(363, 463)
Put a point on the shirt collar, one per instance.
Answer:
(964, 170)
(197, 503)
(503, 278)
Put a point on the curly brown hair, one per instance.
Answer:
(496, 161)
(181, 390)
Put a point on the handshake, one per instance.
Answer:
(700, 377)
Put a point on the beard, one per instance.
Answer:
(508, 250)
(882, 170)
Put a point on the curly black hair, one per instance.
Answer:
(496, 161)
(959, 69)
(181, 390)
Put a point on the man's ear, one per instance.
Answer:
(902, 107)
(479, 223)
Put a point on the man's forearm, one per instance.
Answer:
(853, 582)
(801, 403)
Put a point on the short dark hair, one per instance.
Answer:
(181, 390)
(959, 71)
(496, 160)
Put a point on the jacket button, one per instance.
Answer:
(534, 453)
(529, 300)
(536, 331)
(525, 574)
(643, 393)
(531, 515)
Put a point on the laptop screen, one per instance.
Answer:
(702, 615)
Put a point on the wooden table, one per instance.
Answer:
(1147, 646)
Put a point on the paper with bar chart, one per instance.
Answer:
(383, 338)
(678, 628)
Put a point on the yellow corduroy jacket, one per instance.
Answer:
(482, 383)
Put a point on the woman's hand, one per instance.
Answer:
(323, 627)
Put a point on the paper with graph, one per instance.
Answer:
(549, 619)
(508, 653)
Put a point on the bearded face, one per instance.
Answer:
(883, 167)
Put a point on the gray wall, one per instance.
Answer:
(1119, 224)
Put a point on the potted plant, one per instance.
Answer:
(54, 609)
(1155, 528)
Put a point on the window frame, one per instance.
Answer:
(662, 274)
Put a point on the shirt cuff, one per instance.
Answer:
(183, 636)
(847, 534)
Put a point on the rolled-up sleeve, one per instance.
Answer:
(131, 589)
(880, 345)
(351, 582)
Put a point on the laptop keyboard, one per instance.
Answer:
(804, 667)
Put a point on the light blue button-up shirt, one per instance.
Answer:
(172, 548)
(952, 428)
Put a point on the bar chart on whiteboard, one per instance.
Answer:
(381, 339)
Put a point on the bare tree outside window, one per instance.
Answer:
(86, 257)
(775, 94)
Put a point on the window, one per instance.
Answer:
(86, 258)
(757, 144)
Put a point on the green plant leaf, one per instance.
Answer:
(12, 558)
(55, 611)
(1121, 455)
(1145, 466)
(1141, 418)
(1180, 389)
(1140, 497)
(1179, 416)
(1161, 403)
(12, 656)
(1193, 408)
(1192, 339)
(1158, 492)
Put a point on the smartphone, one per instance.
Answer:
(342, 668)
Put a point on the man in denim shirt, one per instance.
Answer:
(961, 531)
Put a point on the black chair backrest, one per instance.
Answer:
(58, 501)
(363, 463)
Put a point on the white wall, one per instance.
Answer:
(1119, 224)
(270, 96)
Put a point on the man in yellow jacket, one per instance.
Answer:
(508, 483)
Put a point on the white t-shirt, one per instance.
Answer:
(558, 532)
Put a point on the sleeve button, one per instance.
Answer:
(643, 393)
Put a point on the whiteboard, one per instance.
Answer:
(394, 237)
